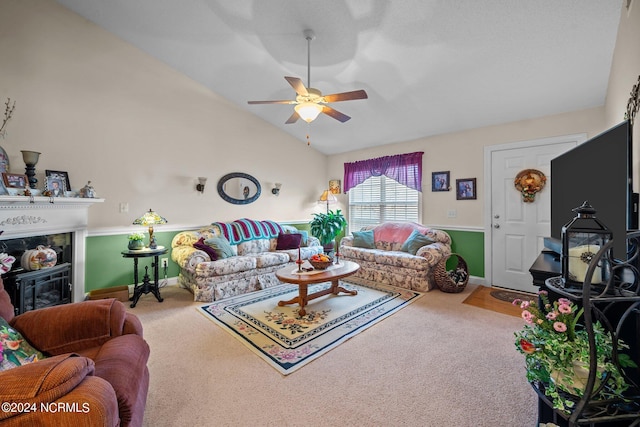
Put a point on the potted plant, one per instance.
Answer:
(556, 350)
(136, 241)
(326, 227)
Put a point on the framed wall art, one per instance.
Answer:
(466, 189)
(440, 181)
(14, 180)
(334, 186)
(59, 175)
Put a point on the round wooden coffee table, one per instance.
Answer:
(333, 274)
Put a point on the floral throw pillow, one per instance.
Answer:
(15, 350)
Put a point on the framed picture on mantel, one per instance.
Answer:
(61, 176)
(14, 180)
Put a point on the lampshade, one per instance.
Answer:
(327, 197)
(31, 158)
(150, 219)
(308, 111)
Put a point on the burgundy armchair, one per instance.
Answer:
(95, 372)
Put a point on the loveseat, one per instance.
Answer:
(91, 368)
(386, 255)
(259, 249)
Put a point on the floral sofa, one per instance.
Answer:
(251, 267)
(385, 262)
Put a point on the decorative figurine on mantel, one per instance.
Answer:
(87, 191)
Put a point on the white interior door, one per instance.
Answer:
(517, 228)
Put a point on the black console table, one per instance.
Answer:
(146, 286)
(547, 265)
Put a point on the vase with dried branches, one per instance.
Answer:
(8, 112)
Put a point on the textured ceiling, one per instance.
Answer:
(429, 67)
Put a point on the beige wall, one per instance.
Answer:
(462, 154)
(141, 132)
(103, 111)
(625, 72)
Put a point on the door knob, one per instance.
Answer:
(496, 216)
(496, 225)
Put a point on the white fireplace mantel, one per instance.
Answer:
(22, 216)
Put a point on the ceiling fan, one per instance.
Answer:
(310, 102)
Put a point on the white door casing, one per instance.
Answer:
(514, 230)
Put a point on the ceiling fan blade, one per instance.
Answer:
(335, 114)
(292, 119)
(346, 96)
(284, 101)
(297, 85)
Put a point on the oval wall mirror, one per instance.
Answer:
(239, 188)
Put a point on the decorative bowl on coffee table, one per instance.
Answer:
(320, 265)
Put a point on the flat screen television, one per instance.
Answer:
(600, 171)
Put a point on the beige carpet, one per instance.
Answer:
(287, 341)
(437, 362)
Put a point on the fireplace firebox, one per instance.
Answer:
(39, 289)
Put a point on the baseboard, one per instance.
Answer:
(476, 280)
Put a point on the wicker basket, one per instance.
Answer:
(320, 265)
(443, 278)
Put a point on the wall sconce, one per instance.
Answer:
(276, 190)
(201, 182)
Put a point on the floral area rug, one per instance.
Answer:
(288, 341)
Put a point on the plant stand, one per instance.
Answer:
(616, 305)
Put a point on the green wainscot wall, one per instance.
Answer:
(470, 246)
(106, 267)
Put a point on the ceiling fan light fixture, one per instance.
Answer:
(308, 111)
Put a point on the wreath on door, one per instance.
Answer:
(529, 182)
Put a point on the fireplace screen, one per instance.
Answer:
(30, 290)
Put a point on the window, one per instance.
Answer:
(384, 189)
(380, 199)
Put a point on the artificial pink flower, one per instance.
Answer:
(527, 316)
(564, 308)
(525, 304)
(552, 315)
(564, 301)
(560, 327)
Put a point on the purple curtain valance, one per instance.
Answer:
(404, 168)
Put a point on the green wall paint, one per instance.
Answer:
(105, 266)
(470, 246)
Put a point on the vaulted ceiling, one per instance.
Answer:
(428, 66)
